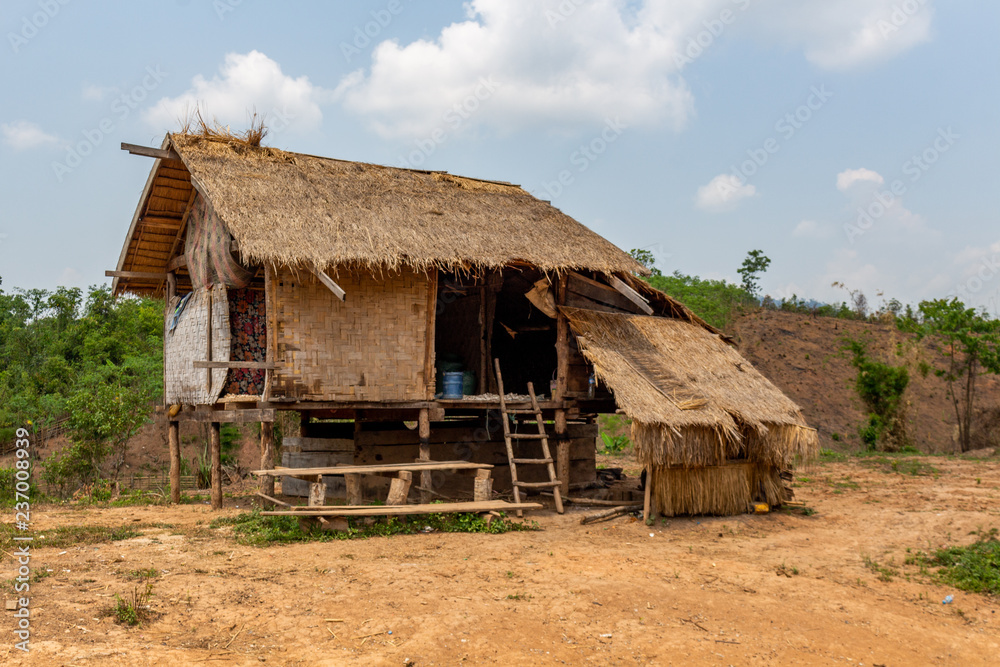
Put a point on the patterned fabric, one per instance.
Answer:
(206, 248)
(248, 342)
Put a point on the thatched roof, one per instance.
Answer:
(693, 399)
(294, 209)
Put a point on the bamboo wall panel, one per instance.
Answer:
(188, 342)
(370, 347)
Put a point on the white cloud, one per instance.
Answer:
(245, 82)
(94, 93)
(810, 229)
(22, 135)
(69, 276)
(722, 193)
(568, 63)
(842, 34)
(849, 177)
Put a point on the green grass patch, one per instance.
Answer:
(884, 573)
(974, 568)
(902, 465)
(830, 455)
(68, 536)
(255, 529)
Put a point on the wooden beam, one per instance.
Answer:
(147, 151)
(424, 433)
(332, 286)
(139, 275)
(266, 457)
(252, 365)
(178, 262)
(631, 295)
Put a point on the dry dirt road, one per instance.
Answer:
(777, 589)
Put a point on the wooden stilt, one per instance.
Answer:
(216, 454)
(353, 484)
(424, 432)
(267, 457)
(483, 486)
(647, 496)
(174, 441)
(317, 493)
(562, 451)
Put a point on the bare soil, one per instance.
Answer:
(774, 589)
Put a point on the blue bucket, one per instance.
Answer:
(453, 381)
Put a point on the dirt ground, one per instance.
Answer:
(776, 589)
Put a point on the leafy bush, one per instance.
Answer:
(974, 568)
(881, 387)
(715, 301)
(614, 444)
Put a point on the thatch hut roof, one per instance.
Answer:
(294, 209)
(693, 400)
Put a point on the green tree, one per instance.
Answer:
(755, 264)
(971, 346)
(646, 258)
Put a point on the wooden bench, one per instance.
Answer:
(399, 488)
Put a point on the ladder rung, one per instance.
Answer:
(532, 461)
(528, 436)
(538, 485)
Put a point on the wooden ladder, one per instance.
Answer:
(509, 437)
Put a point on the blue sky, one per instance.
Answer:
(850, 140)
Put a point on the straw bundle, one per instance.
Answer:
(719, 490)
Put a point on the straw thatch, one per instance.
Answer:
(693, 400)
(722, 490)
(294, 209)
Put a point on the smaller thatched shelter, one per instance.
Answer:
(714, 433)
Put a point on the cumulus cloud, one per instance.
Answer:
(22, 135)
(849, 177)
(244, 83)
(567, 63)
(722, 193)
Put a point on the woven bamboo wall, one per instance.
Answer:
(370, 347)
(188, 342)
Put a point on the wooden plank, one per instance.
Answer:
(178, 262)
(376, 469)
(255, 365)
(392, 510)
(591, 289)
(226, 416)
(298, 444)
(424, 432)
(148, 151)
(275, 501)
(144, 275)
(399, 489)
(337, 290)
(631, 295)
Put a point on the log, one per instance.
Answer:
(375, 469)
(595, 502)
(609, 514)
(216, 449)
(387, 510)
(274, 501)
(399, 488)
(173, 438)
(424, 431)
(267, 456)
(353, 484)
(482, 486)
(317, 494)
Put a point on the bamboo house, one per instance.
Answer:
(346, 291)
